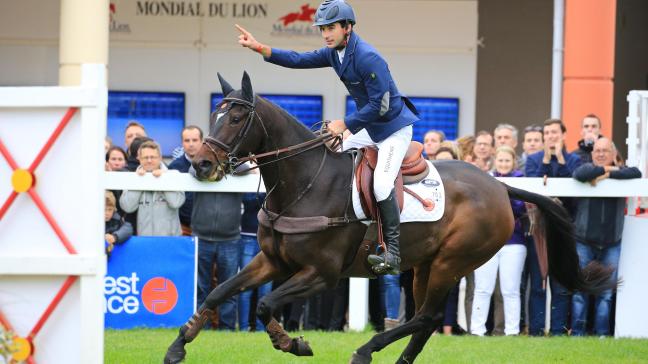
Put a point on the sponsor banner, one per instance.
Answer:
(151, 282)
(405, 24)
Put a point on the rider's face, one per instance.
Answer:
(333, 34)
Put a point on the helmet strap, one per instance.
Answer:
(345, 41)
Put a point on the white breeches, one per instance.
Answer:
(391, 152)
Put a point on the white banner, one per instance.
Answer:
(449, 26)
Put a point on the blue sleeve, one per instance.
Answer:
(535, 168)
(292, 59)
(572, 162)
(588, 172)
(375, 78)
(626, 173)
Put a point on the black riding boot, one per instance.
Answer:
(388, 262)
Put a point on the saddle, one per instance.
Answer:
(413, 169)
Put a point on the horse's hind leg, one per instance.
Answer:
(303, 284)
(428, 316)
(259, 271)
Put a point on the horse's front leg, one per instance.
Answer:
(259, 271)
(304, 283)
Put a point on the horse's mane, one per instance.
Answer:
(286, 115)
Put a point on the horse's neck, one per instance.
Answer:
(288, 178)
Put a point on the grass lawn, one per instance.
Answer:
(149, 346)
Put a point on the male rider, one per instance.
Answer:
(383, 118)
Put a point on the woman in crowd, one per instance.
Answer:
(116, 158)
(509, 261)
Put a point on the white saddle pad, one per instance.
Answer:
(430, 188)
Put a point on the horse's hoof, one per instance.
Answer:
(176, 352)
(174, 357)
(359, 359)
(301, 347)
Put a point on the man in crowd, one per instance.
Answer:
(157, 211)
(590, 132)
(191, 141)
(552, 161)
(599, 222)
(216, 221)
(432, 142)
(483, 151)
(531, 143)
(132, 131)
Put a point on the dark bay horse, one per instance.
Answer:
(478, 220)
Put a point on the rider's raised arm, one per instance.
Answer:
(291, 59)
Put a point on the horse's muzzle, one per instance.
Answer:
(206, 170)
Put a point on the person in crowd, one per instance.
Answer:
(590, 132)
(483, 151)
(531, 143)
(116, 158)
(157, 211)
(509, 260)
(504, 134)
(507, 134)
(192, 137)
(132, 131)
(132, 162)
(249, 249)
(383, 119)
(107, 143)
(466, 147)
(216, 221)
(117, 231)
(552, 161)
(599, 223)
(391, 295)
(432, 141)
(445, 153)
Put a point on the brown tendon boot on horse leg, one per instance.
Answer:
(281, 341)
(176, 352)
(389, 261)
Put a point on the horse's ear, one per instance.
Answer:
(246, 87)
(227, 89)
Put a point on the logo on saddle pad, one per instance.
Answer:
(430, 183)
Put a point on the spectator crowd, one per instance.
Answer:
(505, 296)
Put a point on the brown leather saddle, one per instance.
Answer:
(413, 169)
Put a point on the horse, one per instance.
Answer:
(305, 178)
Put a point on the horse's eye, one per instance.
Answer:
(235, 120)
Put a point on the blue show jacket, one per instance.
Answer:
(366, 76)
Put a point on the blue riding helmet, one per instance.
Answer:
(333, 11)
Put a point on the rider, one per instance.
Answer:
(383, 118)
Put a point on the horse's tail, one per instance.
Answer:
(561, 246)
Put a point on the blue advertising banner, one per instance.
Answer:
(151, 282)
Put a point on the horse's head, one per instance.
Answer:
(231, 132)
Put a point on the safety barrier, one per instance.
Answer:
(52, 260)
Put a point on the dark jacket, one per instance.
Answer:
(366, 75)
(584, 150)
(216, 216)
(599, 220)
(251, 206)
(183, 164)
(120, 229)
(519, 212)
(536, 168)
